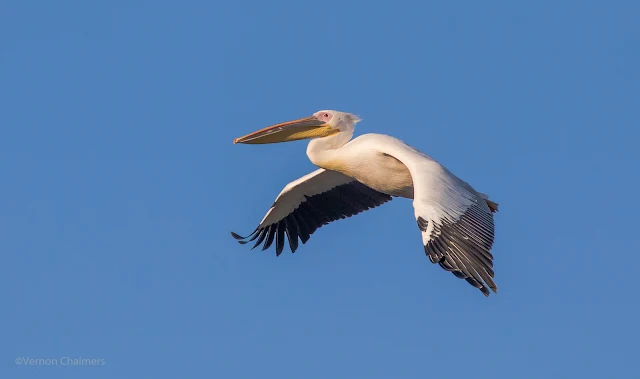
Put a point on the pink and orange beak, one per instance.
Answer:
(304, 128)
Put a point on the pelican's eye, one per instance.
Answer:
(324, 116)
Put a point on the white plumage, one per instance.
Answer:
(456, 221)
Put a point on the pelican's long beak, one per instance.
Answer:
(308, 127)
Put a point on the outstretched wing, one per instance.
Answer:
(457, 226)
(455, 220)
(308, 203)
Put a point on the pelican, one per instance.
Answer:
(455, 220)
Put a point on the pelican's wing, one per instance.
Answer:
(456, 224)
(455, 220)
(306, 204)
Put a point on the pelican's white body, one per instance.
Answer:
(363, 159)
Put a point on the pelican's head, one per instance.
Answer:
(321, 124)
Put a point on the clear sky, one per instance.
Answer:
(120, 185)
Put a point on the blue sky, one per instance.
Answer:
(121, 185)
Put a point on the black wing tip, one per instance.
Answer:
(239, 237)
(486, 292)
(442, 261)
(463, 248)
(481, 286)
(315, 211)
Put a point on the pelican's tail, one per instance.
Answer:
(493, 206)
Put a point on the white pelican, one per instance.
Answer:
(455, 220)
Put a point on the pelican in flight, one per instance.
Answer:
(456, 221)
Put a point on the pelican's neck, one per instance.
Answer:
(322, 150)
